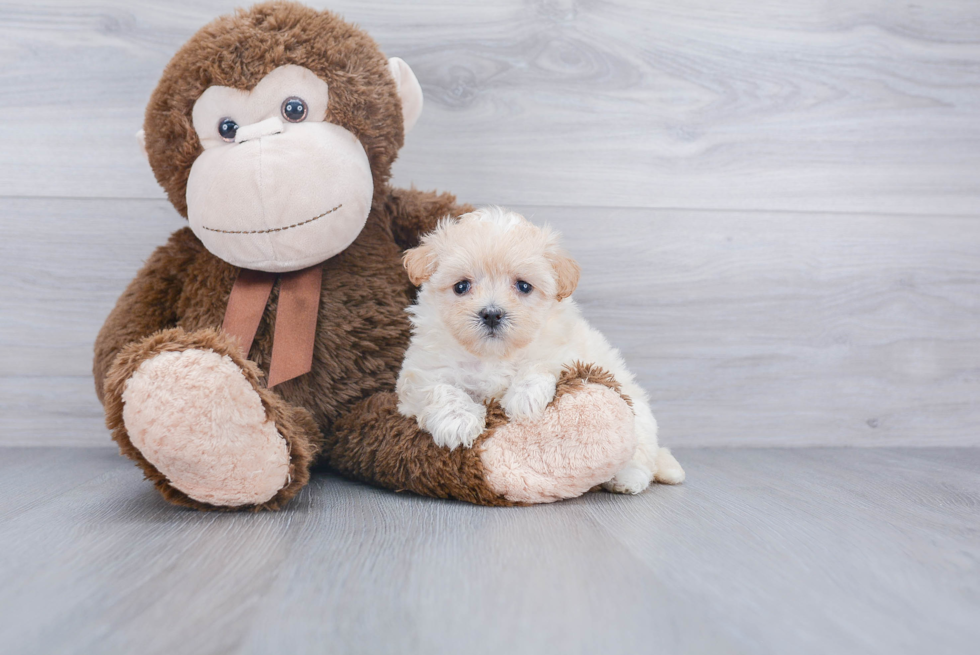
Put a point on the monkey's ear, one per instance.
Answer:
(141, 138)
(567, 272)
(420, 263)
(409, 90)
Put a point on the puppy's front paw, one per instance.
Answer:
(452, 425)
(633, 479)
(529, 396)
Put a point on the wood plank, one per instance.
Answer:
(116, 555)
(828, 545)
(865, 106)
(760, 551)
(64, 262)
(461, 579)
(33, 476)
(51, 411)
(747, 328)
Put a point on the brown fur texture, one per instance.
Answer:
(375, 444)
(415, 213)
(342, 413)
(579, 373)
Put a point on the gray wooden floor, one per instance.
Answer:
(762, 551)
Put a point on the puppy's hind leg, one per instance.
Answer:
(636, 475)
(669, 470)
(632, 479)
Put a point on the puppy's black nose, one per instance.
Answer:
(492, 316)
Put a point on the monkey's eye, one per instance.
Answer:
(524, 287)
(227, 128)
(294, 109)
(461, 287)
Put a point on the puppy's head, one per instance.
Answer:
(490, 278)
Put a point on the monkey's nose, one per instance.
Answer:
(492, 316)
(257, 130)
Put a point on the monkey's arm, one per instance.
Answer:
(414, 212)
(583, 438)
(148, 305)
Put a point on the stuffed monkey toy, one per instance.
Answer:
(265, 338)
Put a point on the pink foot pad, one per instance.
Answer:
(198, 420)
(580, 441)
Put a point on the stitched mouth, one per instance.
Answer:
(274, 229)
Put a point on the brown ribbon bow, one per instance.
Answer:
(295, 330)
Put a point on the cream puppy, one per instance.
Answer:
(494, 320)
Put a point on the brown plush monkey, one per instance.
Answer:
(267, 336)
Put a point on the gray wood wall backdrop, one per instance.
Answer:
(776, 203)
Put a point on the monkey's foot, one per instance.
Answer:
(201, 427)
(196, 418)
(583, 438)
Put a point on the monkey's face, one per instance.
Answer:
(274, 129)
(277, 188)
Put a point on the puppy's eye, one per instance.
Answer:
(294, 109)
(524, 287)
(227, 129)
(461, 287)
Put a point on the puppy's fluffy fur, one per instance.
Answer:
(494, 320)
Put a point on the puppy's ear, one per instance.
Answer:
(567, 272)
(420, 263)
